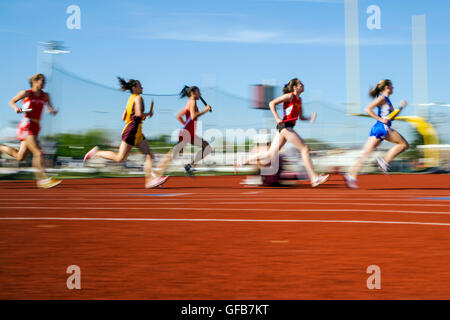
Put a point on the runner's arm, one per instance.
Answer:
(369, 109)
(273, 105)
(50, 107)
(13, 102)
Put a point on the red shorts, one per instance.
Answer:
(27, 128)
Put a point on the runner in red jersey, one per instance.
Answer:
(34, 101)
(189, 124)
(292, 111)
(188, 117)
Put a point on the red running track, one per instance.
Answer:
(211, 238)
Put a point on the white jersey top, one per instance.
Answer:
(385, 109)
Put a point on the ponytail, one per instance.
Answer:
(379, 88)
(289, 87)
(187, 91)
(124, 85)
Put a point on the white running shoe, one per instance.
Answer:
(90, 154)
(383, 165)
(351, 182)
(156, 182)
(48, 183)
(319, 180)
(252, 181)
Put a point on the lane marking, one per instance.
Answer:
(298, 192)
(159, 194)
(231, 220)
(232, 209)
(256, 199)
(145, 201)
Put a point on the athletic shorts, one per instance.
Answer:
(285, 125)
(26, 128)
(380, 130)
(132, 133)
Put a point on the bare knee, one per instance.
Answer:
(20, 157)
(404, 145)
(120, 158)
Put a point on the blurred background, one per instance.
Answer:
(240, 53)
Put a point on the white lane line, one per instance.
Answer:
(230, 209)
(231, 220)
(300, 202)
(180, 199)
(342, 203)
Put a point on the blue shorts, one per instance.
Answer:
(379, 130)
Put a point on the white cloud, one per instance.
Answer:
(239, 36)
(268, 37)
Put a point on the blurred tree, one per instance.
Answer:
(317, 145)
(76, 145)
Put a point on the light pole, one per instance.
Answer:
(46, 51)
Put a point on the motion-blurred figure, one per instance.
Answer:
(34, 101)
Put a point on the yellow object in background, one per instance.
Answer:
(430, 137)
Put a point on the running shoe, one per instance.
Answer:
(90, 154)
(189, 171)
(383, 165)
(156, 182)
(351, 182)
(48, 183)
(319, 180)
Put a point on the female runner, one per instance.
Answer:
(188, 117)
(292, 110)
(132, 134)
(34, 101)
(380, 131)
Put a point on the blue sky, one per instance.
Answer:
(230, 44)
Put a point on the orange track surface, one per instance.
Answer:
(211, 238)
